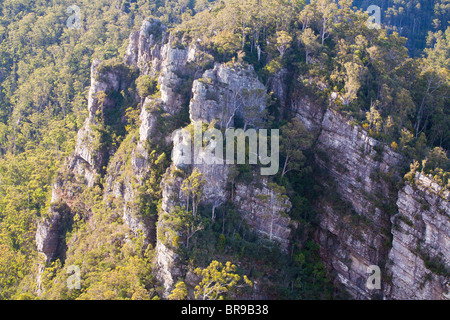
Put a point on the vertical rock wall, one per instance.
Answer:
(367, 218)
(420, 257)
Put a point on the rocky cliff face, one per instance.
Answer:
(420, 257)
(365, 216)
(369, 221)
(85, 166)
(225, 94)
(221, 95)
(169, 266)
(265, 210)
(144, 48)
(47, 237)
(364, 173)
(150, 51)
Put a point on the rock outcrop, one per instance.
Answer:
(144, 47)
(169, 266)
(221, 96)
(367, 217)
(355, 223)
(419, 261)
(265, 209)
(150, 51)
(367, 221)
(228, 94)
(85, 166)
(47, 237)
(308, 111)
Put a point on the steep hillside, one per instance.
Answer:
(284, 147)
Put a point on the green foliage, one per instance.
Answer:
(369, 69)
(309, 275)
(44, 82)
(179, 224)
(436, 165)
(437, 158)
(413, 19)
(294, 139)
(218, 280)
(111, 267)
(222, 242)
(146, 85)
(13, 268)
(193, 189)
(179, 292)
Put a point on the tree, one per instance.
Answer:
(179, 292)
(226, 42)
(324, 12)
(186, 223)
(305, 16)
(294, 138)
(218, 280)
(283, 42)
(354, 72)
(12, 270)
(412, 173)
(405, 138)
(309, 40)
(434, 81)
(146, 85)
(437, 158)
(192, 188)
(374, 118)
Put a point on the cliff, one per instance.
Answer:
(129, 171)
(266, 210)
(372, 219)
(419, 261)
(366, 214)
(93, 150)
(221, 95)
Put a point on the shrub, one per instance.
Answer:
(146, 85)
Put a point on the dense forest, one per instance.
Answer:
(412, 19)
(393, 82)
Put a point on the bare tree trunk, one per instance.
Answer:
(213, 213)
(285, 166)
(324, 29)
(223, 222)
(259, 53)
